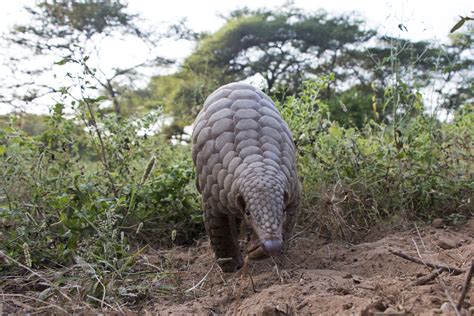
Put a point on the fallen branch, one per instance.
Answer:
(467, 284)
(450, 270)
(427, 278)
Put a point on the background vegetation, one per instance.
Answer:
(86, 188)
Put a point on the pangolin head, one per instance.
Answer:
(262, 200)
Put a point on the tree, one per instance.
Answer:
(73, 30)
(458, 79)
(283, 48)
(413, 66)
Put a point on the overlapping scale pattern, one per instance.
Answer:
(242, 146)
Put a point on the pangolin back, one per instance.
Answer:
(243, 148)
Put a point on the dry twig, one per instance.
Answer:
(277, 271)
(101, 301)
(253, 284)
(427, 278)
(467, 285)
(448, 296)
(242, 276)
(450, 299)
(450, 270)
(202, 280)
(419, 235)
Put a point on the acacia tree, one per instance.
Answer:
(282, 47)
(72, 32)
(288, 46)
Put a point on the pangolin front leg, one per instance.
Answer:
(223, 235)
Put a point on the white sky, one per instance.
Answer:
(424, 20)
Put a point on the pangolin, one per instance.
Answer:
(245, 170)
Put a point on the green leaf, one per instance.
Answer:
(458, 25)
(101, 98)
(2, 150)
(401, 155)
(95, 100)
(62, 61)
(335, 131)
(58, 108)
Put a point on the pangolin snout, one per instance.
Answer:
(273, 247)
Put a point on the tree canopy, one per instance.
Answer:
(71, 32)
(285, 47)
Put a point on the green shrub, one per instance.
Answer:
(69, 194)
(415, 168)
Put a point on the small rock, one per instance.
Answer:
(357, 279)
(342, 291)
(269, 310)
(379, 305)
(347, 306)
(435, 300)
(374, 307)
(446, 243)
(438, 223)
(445, 308)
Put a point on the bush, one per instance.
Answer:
(415, 168)
(70, 193)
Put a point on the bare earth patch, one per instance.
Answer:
(316, 277)
(330, 278)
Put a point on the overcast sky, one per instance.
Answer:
(424, 19)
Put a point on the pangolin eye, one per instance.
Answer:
(241, 203)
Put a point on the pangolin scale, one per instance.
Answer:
(245, 170)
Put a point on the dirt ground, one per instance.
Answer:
(328, 278)
(316, 277)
